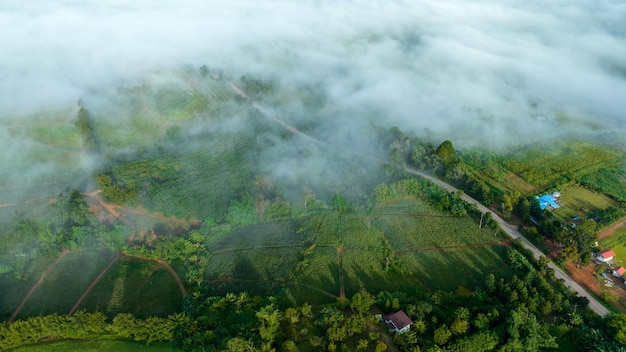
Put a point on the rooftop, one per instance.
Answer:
(399, 319)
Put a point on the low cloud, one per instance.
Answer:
(498, 71)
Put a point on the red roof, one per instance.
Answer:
(620, 270)
(399, 319)
(607, 253)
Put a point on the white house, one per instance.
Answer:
(619, 271)
(398, 321)
(605, 256)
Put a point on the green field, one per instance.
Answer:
(64, 285)
(567, 158)
(447, 269)
(315, 250)
(579, 201)
(96, 346)
(143, 288)
(617, 243)
(422, 228)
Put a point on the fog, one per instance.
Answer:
(485, 72)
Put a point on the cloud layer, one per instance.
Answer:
(457, 68)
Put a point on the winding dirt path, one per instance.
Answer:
(32, 290)
(611, 230)
(182, 288)
(94, 283)
(116, 211)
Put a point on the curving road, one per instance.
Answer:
(594, 304)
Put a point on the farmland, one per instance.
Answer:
(96, 346)
(186, 208)
(617, 243)
(130, 285)
(531, 168)
(580, 201)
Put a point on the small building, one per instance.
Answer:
(619, 271)
(605, 256)
(398, 321)
(548, 201)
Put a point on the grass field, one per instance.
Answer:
(617, 243)
(141, 287)
(66, 283)
(447, 269)
(96, 346)
(428, 229)
(541, 165)
(579, 201)
(317, 249)
(364, 269)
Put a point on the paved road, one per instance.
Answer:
(594, 304)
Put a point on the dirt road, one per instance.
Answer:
(611, 230)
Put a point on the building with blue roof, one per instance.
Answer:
(548, 201)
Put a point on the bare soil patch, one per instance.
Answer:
(585, 277)
(611, 230)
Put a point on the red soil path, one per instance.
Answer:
(94, 283)
(584, 276)
(183, 291)
(113, 210)
(182, 288)
(611, 230)
(32, 290)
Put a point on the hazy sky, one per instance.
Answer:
(459, 68)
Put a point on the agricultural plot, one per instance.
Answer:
(364, 269)
(447, 269)
(198, 182)
(610, 181)
(254, 264)
(141, 287)
(96, 346)
(12, 289)
(617, 243)
(320, 269)
(541, 166)
(408, 231)
(54, 128)
(358, 232)
(272, 234)
(579, 201)
(502, 178)
(298, 294)
(64, 285)
(141, 112)
(329, 232)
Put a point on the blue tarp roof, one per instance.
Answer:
(546, 201)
